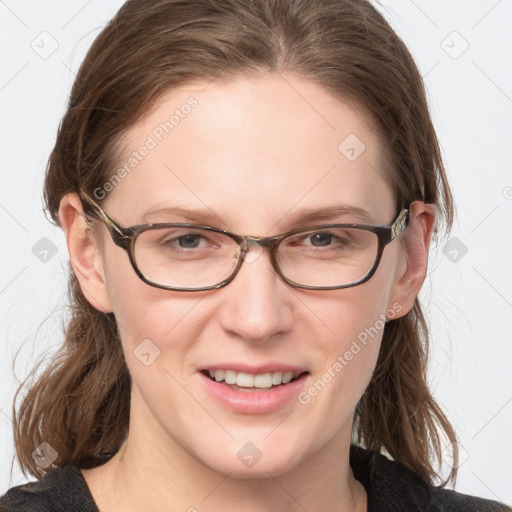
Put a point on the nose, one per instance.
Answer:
(257, 304)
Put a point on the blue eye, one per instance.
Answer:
(188, 241)
(321, 239)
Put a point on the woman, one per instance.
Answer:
(248, 191)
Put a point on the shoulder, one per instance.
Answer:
(391, 487)
(61, 490)
(448, 500)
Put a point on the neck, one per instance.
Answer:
(152, 472)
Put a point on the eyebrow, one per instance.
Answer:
(329, 213)
(296, 218)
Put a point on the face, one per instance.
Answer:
(253, 156)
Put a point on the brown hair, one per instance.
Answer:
(80, 403)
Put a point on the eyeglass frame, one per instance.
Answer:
(125, 238)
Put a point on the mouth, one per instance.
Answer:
(244, 381)
(253, 389)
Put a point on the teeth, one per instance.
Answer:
(263, 381)
(277, 378)
(244, 380)
(247, 380)
(287, 377)
(230, 377)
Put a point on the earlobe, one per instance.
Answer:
(415, 245)
(84, 252)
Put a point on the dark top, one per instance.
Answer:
(390, 487)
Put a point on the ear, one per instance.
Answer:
(412, 270)
(84, 252)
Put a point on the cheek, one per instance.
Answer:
(356, 314)
(351, 351)
(148, 317)
(349, 331)
(157, 322)
(158, 337)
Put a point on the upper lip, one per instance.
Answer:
(256, 369)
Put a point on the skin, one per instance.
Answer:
(255, 152)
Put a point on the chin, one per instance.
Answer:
(247, 461)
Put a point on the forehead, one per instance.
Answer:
(252, 150)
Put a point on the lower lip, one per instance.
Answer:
(260, 401)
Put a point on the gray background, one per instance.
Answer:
(463, 49)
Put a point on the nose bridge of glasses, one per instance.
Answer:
(259, 242)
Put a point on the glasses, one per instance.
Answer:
(189, 257)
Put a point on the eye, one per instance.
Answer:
(327, 239)
(190, 241)
(322, 239)
(179, 240)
